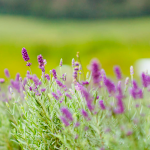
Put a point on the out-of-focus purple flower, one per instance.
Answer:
(134, 83)
(47, 77)
(86, 128)
(43, 90)
(84, 113)
(118, 72)
(17, 77)
(28, 64)
(95, 69)
(25, 54)
(136, 93)
(129, 133)
(66, 113)
(76, 137)
(127, 81)
(16, 85)
(88, 98)
(28, 72)
(7, 73)
(73, 62)
(110, 86)
(59, 83)
(76, 69)
(68, 95)
(64, 77)
(120, 93)
(54, 74)
(55, 96)
(30, 88)
(144, 79)
(85, 82)
(20, 79)
(59, 93)
(76, 63)
(131, 70)
(61, 61)
(102, 106)
(77, 124)
(35, 80)
(64, 120)
(120, 105)
(2, 80)
(41, 62)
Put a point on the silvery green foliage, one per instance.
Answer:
(115, 125)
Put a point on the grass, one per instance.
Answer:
(111, 41)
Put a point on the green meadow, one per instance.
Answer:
(119, 41)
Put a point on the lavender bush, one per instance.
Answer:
(92, 113)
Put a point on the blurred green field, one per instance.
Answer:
(113, 42)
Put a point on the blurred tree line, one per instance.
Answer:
(76, 8)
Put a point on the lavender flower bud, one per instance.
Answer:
(118, 72)
(102, 106)
(66, 113)
(28, 64)
(127, 81)
(64, 120)
(110, 86)
(131, 70)
(95, 68)
(47, 77)
(68, 95)
(7, 73)
(43, 90)
(25, 54)
(61, 61)
(144, 79)
(84, 113)
(41, 62)
(73, 62)
(54, 74)
(55, 96)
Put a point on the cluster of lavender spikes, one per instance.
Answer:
(88, 106)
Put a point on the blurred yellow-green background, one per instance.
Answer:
(116, 32)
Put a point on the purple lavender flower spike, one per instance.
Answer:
(30, 88)
(118, 72)
(102, 106)
(41, 62)
(85, 82)
(59, 83)
(28, 64)
(59, 93)
(136, 93)
(17, 76)
(68, 95)
(135, 86)
(64, 120)
(127, 81)
(110, 86)
(25, 54)
(120, 105)
(55, 96)
(131, 70)
(66, 113)
(73, 62)
(43, 90)
(64, 77)
(144, 80)
(95, 68)
(54, 74)
(47, 77)
(2, 80)
(7, 73)
(77, 124)
(84, 113)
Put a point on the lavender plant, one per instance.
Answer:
(92, 113)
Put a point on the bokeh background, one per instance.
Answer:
(114, 31)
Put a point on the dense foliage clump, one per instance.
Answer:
(91, 113)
